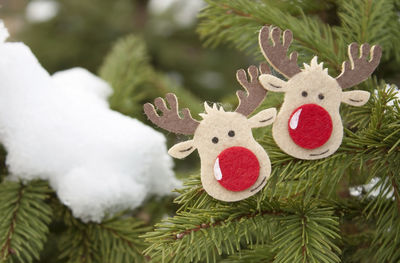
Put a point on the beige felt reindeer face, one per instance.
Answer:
(308, 125)
(233, 165)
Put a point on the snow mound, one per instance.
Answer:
(60, 128)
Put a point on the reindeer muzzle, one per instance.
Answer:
(236, 168)
(310, 126)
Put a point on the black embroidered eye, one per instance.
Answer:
(231, 133)
(304, 94)
(215, 140)
(321, 96)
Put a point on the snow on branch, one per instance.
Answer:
(60, 128)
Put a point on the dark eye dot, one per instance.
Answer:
(231, 133)
(304, 94)
(321, 96)
(215, 140)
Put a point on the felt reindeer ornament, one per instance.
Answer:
(308, 125)
(233, 165)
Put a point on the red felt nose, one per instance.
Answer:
(310, 126)
(236, 168)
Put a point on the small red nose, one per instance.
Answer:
(236, 168)
(310, 126)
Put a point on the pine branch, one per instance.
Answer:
(206, 234)
(386, 241)
(304, 236)
(377, 151)
(128, 71)
(238, 23)
(218, 223)
(134, 81)
(255, 254)
(373, 22)
(114, 240)
(290, 178)
(356, 230)
(293, 178)
(24, 220)
(119, 240)
(193, 195)
(77, 245)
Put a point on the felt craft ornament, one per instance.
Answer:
(233, 165)
(308, 125)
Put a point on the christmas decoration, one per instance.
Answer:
(60, 128)
(233, 165)
(308, 125)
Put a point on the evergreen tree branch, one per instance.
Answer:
(219, 222)
(128, 71)
(202, 234)
(77, 245)
(254, 254)
(380, 155)
(134, 81)
(238, 23)
(6, 249)
(114, 240)
(120, 240)
(371, 22)
(386, 242)
(302, 237)
(24, 221)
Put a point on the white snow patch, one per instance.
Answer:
(84, 85)
(356, 190)
(60, 128)
(371, 189)
(3, 32)
(41, 10)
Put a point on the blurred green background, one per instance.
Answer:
(70, 33)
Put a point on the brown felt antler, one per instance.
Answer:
(249, 101)
(170, 119)
(359, 68)
(276, 53)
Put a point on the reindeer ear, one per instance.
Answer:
(182, 149)
(272, 83)
(263, 118)
(355, 97)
